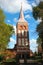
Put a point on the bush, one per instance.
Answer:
(37, 57)
(39, 60)
(1, 58)
(11, 60)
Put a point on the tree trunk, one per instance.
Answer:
(42, 48)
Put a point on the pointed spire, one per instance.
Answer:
(21, 18)
(21, 12)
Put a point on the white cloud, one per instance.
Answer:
(39, 20)
(14, 29)
(15, 20)
(27, 16)
(33, 41)
(38, 1)
(12, 40)
(33, 45)
(34, 4)
(14, 5)
(8, 21)
(11, 43)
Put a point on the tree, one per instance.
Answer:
(38, 13)
(39, 41)
(6, 32)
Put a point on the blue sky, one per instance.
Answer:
(11, 9)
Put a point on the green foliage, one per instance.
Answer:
(11, 60)
(1, 58)
(39, 29)
(39, 41)
(5, 32)
(41, 5)
(2, 16)
(39, 60)
(37, 13)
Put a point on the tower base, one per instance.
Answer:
(22, 57)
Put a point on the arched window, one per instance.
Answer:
(19, 41)
(22, 41)
(26, 42)
(25, 33)
(19, 33)
(22, 33)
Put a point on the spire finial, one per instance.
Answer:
(21, 5)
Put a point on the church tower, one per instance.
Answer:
(23, 48)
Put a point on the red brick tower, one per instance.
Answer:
(23, 48)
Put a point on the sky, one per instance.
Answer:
(11, 9)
